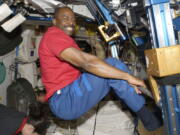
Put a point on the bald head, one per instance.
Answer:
(58, 10)
(64, 19)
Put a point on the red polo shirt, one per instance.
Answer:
(56, 73)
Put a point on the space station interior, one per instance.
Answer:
(143, 34)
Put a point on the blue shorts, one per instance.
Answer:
(77, 98)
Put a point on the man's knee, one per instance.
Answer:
(118, 64)
(112, 61)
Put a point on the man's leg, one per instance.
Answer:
(132, 99)
(78, 97)
(123, 90)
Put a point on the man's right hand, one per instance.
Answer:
(136, 82)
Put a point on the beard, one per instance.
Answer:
(69, 30)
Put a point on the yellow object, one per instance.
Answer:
(1, 98)
(105, 36)
(163, 61)
(154, 89)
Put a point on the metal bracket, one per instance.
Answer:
(109, 32)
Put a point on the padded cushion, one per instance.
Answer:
(2, 72)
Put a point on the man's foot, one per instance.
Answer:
(150, 120)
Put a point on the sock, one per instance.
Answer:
(149, 119)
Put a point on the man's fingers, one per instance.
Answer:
(138, 91)
(142, 84)
(137, 82)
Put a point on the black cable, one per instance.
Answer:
(96, 118)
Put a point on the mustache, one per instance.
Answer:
(73, 26)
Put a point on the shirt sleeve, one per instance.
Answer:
(56, 44)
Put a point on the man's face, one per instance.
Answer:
(65, 20)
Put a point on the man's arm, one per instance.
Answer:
(96, 66)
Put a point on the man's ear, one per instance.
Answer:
(54, 22)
